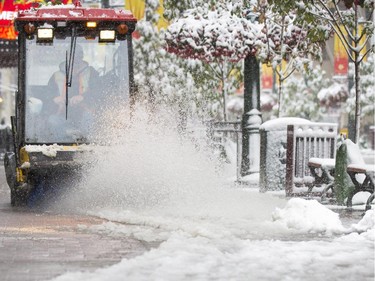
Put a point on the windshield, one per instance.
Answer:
(99, 77)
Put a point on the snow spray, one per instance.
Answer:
(142, 164)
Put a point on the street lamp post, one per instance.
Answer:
(251, 101)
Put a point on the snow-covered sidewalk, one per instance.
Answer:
(302, 240)
(154, 186)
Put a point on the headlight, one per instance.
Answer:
(107, 35)
(45, 34)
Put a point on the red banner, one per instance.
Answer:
(8, 11)
(267, 77)
(340, 56)
(7, 32)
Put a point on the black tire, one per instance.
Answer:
(12, 198)
(10, 168)
(18, 197)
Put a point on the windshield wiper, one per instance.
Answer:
(69, 68)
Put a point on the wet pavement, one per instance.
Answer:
(38, 245)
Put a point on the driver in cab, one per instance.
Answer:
(83, 78)
(80, 111)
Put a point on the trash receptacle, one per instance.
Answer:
(273, 138)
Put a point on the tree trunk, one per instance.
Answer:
(224, 78)
(280, 90)
(357, 98)
(357, 116)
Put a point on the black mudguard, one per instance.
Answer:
(10, 168)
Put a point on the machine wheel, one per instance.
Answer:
(10, 168)
(18, 198)
(19, 195)
(13, 198)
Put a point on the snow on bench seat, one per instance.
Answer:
(361, 168)
(322, 162)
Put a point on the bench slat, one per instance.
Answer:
(360, 168)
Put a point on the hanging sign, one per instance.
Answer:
(137, 7)
(267, 77)
(340, 55)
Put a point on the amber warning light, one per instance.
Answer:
(122, 29)
(91, 24)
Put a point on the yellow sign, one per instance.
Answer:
(137, 7)
(344, 132)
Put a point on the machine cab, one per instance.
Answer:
(74, 62)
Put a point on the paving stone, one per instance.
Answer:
(36, 245)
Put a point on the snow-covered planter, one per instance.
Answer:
(213, 35)
(218, 37)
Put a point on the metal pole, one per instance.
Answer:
(251, 101)
(105, 3)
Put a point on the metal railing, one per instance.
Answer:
(220, 132)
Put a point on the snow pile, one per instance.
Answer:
(362, 236)
(366, 225)
(360, 198)
(187, 256)
(193, 250)
(308, 216)
(184, 257)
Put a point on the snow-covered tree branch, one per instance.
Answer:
(352, 21)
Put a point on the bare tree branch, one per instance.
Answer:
(342, 21)
(369, 50)
(348, 48)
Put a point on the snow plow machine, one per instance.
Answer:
(72, 60)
